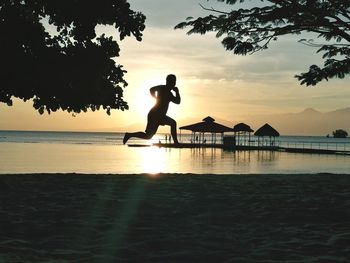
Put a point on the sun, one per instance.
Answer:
(141, 101)
(141, 104)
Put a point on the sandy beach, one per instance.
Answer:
(174, 218)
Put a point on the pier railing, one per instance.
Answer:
(330, 144)
(334, 146)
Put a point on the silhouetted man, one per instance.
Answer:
(164, 94)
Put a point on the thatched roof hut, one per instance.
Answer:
(267, 130)
(242, 128)
(208, 125)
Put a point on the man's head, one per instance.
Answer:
(171, 80)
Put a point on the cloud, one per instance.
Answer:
(260, 82)
(168, 13)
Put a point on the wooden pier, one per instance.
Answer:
(244, 148)
(316, 151)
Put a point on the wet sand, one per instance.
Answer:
(174, 218)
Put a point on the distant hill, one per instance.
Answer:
(307, 122)
(180, 122)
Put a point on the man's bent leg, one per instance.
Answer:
(172, 123)
(151, 129)
(140, 135)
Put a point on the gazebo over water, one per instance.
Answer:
(242, 129)
(208, 125)
(267, 130)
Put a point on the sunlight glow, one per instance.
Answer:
(142, 104)
(138, 95)
(153, 161)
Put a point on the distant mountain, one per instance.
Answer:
(340, 112)
(307, 122)
(310, 111)
(180, 122)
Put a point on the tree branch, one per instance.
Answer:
(340, 21)
(264, 45)
(214, 10)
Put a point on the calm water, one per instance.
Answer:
(65, 152)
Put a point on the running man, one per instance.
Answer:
(164, 94)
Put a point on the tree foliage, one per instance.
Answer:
(248, 30)
(340, 133)
(71, 69)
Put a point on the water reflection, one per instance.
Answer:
(213, 160)
(238, 157)
(206, 153)
(218, 161)
(266, 156)
(153, 160)
(65, 158)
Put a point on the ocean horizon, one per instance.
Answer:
(103, 152)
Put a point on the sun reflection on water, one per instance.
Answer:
(154, 160)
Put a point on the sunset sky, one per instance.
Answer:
(211, 81)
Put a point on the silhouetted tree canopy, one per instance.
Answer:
(71, 69)
(246, 31)
(340, 133)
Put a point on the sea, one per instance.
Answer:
(24, 152)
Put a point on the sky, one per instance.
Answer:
(211, 80)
